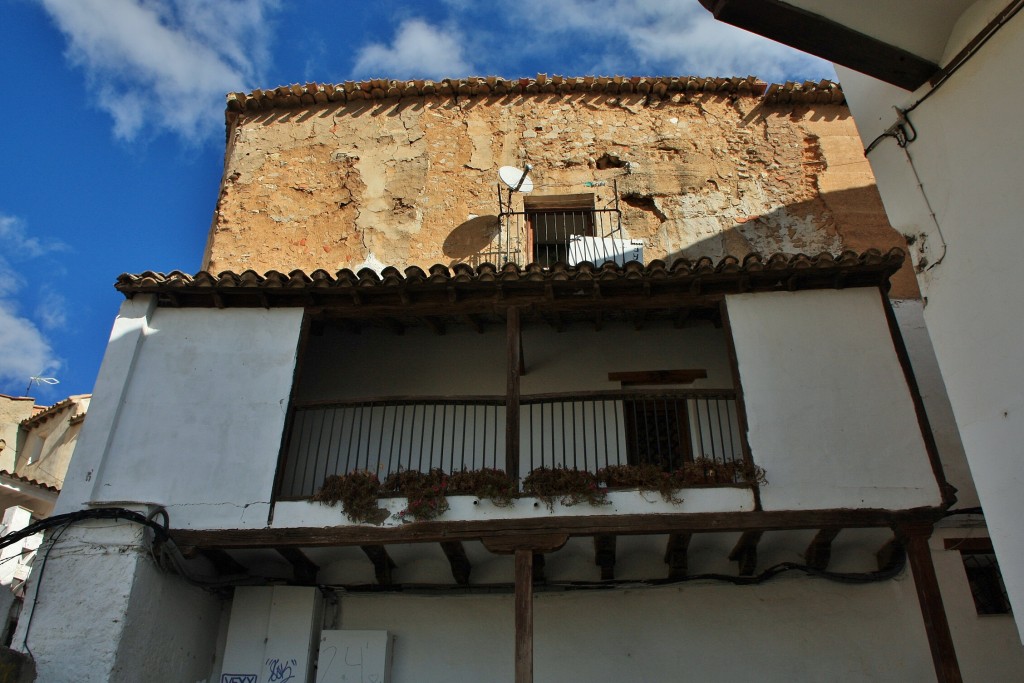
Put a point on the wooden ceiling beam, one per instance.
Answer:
(819, 552)
(382, 563)
(676, 555)
(604, 555)
(222, 562)
(460, 564)
(303, 569)
(745, 552)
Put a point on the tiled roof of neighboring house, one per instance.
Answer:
(33, 482)
(509, 284)
(46, 413)
(292, 96)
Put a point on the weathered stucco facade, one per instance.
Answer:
(702, 168)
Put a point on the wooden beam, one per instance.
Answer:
(825, 38)
(456, 554)
(435, 324)
(675, 555)
(745, 552)
(513, 359)
(889, 555)
(492, 531)
(657, 377)
(819, 552)
(382, 563)
(524, 615)
(223, 564)
(474, 321)
(936, 625)
(539, 543)
(604, 556)
(303, 569)
(975, 544)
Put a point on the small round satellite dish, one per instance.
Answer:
(471, 237)
(516, 178)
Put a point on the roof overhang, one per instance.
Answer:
(27, 493)
(828, 31)
(487, 288)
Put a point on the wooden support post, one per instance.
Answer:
(456, 554)
(915, 538)
(819, 552)
(303, 569)
(675, 555)
(524, 616)
(222, 562)
(745, 552)
(604, 556)
(514, 348)
(382, 563)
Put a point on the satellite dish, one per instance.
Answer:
(516, 179)
(471, 236)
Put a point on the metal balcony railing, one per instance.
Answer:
(585, 431)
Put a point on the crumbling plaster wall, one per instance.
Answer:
(384, 183)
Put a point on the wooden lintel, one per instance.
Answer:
(657, 377)
(830, 40)
(745, 552)
(456, 554)
(933, 612)
(435, 324)
(475, 322)
(604, 556)
(675, 555)
(819, 552)
(538, 543)
(582, 525)
(382, 563)
(303, 568)
(224, 564)
(524, 615)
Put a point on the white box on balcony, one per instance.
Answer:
(597, 250)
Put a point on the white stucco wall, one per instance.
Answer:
(829, 414)
(188, 413)
(967, 155)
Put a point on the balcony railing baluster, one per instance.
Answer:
(580, 430)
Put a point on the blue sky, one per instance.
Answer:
(113, 138)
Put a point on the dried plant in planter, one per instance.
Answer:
(423, 491)
(706, 470)
(564, 485)
(357, 492)
(492, 484)
(645, 477)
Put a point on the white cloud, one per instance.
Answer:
(664, 37)
(24, 349)
(165, 63)
(418, 50)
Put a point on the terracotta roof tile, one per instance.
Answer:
(779, 272)
(46, 413)
(293, 96)
(33, 482)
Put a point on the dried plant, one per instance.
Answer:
(425, 492)
(493, 484)
(357, 492)
(645, 477)
(566, 486)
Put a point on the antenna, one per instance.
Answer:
(516, 179)
(40, 380)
